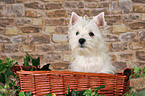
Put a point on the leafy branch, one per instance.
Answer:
(8, 86)
(138, 73)
(35, 62)
(85, 92)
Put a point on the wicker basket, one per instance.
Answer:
(43, 82)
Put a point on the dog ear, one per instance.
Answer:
(74, 18)
(100, 20)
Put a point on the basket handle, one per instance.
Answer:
(27, 68)
(127, 72)
(16, 68)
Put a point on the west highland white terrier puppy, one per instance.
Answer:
(89, 52)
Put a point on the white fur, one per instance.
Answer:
(93, 57)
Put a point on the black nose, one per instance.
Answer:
(82, 41)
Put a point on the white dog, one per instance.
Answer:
(88, 47)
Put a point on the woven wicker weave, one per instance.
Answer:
(43, 82)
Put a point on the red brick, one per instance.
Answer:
(61, 29)
(4, 39)
(10, 48)
(91, 5)
(53, 56)
(117, 47)
(6, 22)
(141, 35)
(111, 19)
(96, 12)
(120, 65)
(131, 17)
(81, 5)
(33, 13)
(57, 13)
(51, 6)
(62, 47)
(19, 39)
(44, 48)
(9, 1)
(139, 8)
(60, 66)
(128, 36)
(137, 25)
(138, 1)
(55, 22)
(70, 5)
(39, 39)
(140, 55)
(126, 56)
(111, 38)
(103, 4)
(89, 0)
(35, 5)
(31, 29)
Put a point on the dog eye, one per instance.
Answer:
(77, 33)
(91, 34)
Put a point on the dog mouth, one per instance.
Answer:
(82, 46)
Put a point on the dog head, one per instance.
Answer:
(84, 33)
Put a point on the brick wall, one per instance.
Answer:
(40, 28)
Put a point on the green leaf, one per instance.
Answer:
(1, 87)
(2, 67)
(26, 61)
(9, 72)
(11, 62)
(22, 94)
(1, 62)
(3, 90)
(2, 78)
(143, 71)
(98, 88)
(16, 63)
(46, 67)
(8, 59)
(53, 95)
(8, 63)
(36, 62)
(28, 55)
(3, 70)
(3, 94)
(68, 90)
(141, 93)
(130, 76)
(28, 94)
(88, 92)
(137, 75)
(73, 93)
(80, 93)
(12, 84)
(6, 86)
(48, 94)
(137, 69)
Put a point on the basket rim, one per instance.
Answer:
(68, 73)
